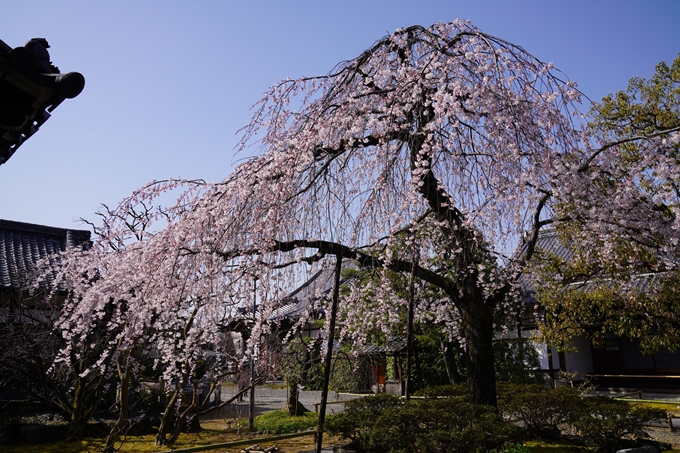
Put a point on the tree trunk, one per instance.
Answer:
(184, 422)
(419, 371)
(477, 321)
(409, 335)
(87, 394)
(123, 414)
(295, 407)
(76, 425)
(449, 349)
(78, 419)
(167, 422)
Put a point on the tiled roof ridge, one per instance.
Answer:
(39, 229)
(22, 244)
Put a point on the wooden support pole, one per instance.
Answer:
(251, 401)
(329, 354)
(409, 333)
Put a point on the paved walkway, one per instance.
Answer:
(269, 399)
(654, 396)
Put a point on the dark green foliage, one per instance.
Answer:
(441, 426)
(302, 363)
(387, 424)
(605, 422)
(540, 410)
(546, 413)
(515, 361)
(430, 365)
(359, 416)
(149, 399)
(443, 391)
(446, 421)
(350, 373)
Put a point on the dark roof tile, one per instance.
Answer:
(23, 244)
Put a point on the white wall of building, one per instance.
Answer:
(580, 361)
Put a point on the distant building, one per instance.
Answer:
(27, 340)
(611, 361)
(22, 245)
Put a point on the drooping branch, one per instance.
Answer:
(587, 163)
(333, 248)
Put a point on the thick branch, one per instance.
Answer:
(333, 248)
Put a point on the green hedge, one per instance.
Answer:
(547, 413)
(539, 410)
(443, 423)
(605, 422)
(356, 423)
(388, 424)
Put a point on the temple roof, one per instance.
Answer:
(23, 244)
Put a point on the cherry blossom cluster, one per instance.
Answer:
(443, 140)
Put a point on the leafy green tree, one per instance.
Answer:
(628, 282)
(647, 106)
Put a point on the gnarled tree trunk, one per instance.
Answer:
(477, 321)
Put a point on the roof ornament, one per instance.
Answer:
(31, 87)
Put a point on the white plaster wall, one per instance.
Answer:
(542, 351)
(580, 361)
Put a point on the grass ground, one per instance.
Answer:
(145, 444)
(214, 431)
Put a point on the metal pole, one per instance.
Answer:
(251, 407)
(329, 354)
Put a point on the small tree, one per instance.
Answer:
(300, 364)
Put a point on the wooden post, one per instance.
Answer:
(251, 402)
(329, 354)
(551, 369)
(409, 337)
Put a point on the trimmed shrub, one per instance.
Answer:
(445, 423)
(356, 421)
(606, 423)
(547, 413)
(427, 426)
(441, 426)
(442, 391)
(540, 410)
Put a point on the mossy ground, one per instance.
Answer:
(214, 431)
(221, 430)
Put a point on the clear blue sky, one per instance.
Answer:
(169, 83)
